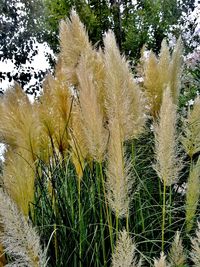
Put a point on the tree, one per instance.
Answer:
(94, 14)
(134, 23)
(149, 22)
(21, 24)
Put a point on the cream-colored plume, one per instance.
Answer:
(168, 164)
(192, 194)
(19, 122)
(73, 42)
(19, 178)
(119, 181)
(195, 253)
(55, 111)
(79, 148)
(152, 90)
(20, 130)
(177, 256)
(124, 254)
(175, 70)
(162, 72)
(161, 262)
(20, 239)
(90, 110)
(191, 138)
(124, 100)
(163, 65)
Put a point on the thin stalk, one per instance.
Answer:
(101, 214)
(97, 258)
(170, 204)
(54, 226)
(70, 194)
(127, 222)
(108, 214)
(141, 215)
(117, 224)
(189, 223)
(163, 214)
(133, 152)
(160, 190)
(80, 228)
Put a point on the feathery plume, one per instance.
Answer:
(167, 70)
(175, 69)
(75, 45)
(168, 164)
(18, 121)
(192, 194)
(19, 178)
(73, 42)
(124, 253)
(79, 151)
(161, 262)
(90, 110)
(61, 94)
(124, 100)
(195, 253)
(163, 65)
(55, 108)
(96, 61)
(152, 91)
(177, 256)
(191, 138)
(19, 238)
(119, 180)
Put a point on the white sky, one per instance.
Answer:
(39, 63)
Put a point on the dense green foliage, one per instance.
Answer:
(134, 24)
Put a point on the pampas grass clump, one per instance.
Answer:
(97, 159)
